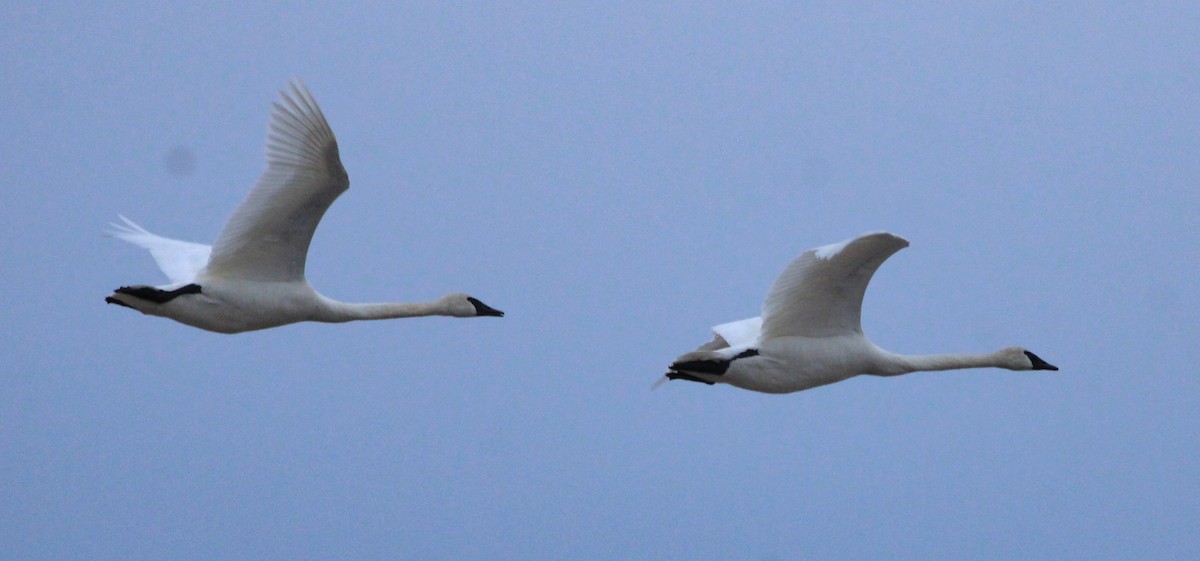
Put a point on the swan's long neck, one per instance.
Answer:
(337, 312)
(903, 364)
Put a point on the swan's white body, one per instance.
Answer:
(253, 277)
(810, 333)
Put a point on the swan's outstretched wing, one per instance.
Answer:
(267, 237)
(820, 293)
(180, 260)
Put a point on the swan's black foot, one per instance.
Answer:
(111, 300)
(680, 376)
(151, 294)
(715, 367)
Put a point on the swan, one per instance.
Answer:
(253, 276)
(810, 332)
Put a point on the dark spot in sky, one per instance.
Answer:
(180, 161)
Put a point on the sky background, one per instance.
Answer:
(617, 177)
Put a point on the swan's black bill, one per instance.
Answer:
(1038, 363)
(482, 309)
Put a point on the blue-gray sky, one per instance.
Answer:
(617, 178)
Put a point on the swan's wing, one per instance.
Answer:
(267, 237)
(180, 260)
(820, 293)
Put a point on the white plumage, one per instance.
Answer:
(810, 333)
(179, 260)
(253, 277)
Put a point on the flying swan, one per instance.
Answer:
(810, 333)
(253, 277)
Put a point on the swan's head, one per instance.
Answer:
(1021, 359)
(463, 306)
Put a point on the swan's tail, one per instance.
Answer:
(139, 236)
(179, 260)
(127, 231)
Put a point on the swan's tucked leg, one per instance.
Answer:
(713, 366)
(680, 376)
(151, 294)
(111, 300)
(707, 362)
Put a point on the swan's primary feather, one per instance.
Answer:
(268, 235)
(178, 259)
(820, 293)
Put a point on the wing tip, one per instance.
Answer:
(298, 133)
(830, 251)
(899, 241)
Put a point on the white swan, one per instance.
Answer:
(253, 277)
(810, 333)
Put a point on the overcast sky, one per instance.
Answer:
(617, 178)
